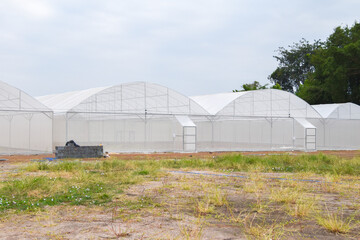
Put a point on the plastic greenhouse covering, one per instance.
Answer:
(25, 123)
(131, 117)
(146, 117)
(255, 120)
(338, 127)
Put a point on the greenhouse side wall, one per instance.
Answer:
(25, 132)
(121, 133)
(249, 134)
(337, 134)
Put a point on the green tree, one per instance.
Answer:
(294, 65)
(337, 68)
(277, 86)
(322, 72)
(256, 86)
(251, 86)
(313, 93)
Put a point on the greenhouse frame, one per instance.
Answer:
(130, 117)
(338, 127)
(267, 119)
(147, 117)
(25, 123)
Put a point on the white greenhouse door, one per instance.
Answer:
(310, 139)
(189, 138)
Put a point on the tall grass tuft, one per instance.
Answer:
(335, 223)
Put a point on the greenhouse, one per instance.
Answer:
(255, 120)
(25, 123)
(147, 117)
(338, 127)
(130, 117)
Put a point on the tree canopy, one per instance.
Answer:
(322, 72)
(255, 86)
(294, 65)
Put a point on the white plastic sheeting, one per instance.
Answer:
(338, 111)
(146, 117)
(338, 127)
(25, 123)
(64, 102)
(131, 117)
(261, 103)
(254, 120)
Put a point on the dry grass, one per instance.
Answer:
(302, 208)
(285, 195)
(150, 203)
(335, 222)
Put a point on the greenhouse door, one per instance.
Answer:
(188, 134)
(310, 139)
(189, 139)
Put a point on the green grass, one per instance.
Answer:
(335, 223)
(71, 182)
(96, 183)
(318, 164)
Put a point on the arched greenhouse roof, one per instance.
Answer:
(259, 103)
(130, 98)
(64, 102)
(338, 110)
(14, 99)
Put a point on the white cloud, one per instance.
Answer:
(193, 46)
(36, 9)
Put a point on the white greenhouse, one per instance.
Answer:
(338, 127)
(25, 123)
(147, 117)
(255, 120)
(131, 117)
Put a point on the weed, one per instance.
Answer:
(335, 222)
(264, 230)
(285, 195)
(117, 228)
(55, 236)
(237, 217)
(302, 208)
(216, 196)
(194, 231)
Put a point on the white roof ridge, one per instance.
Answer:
(338, 110)
(62, 102)
(213, 103)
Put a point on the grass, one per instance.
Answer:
(194, 231)
(302, 208)
(335, 222)
(285, 195)
(86, 183)
(265, 232)
(318, 164)
(71, 182)
(256, 207)
(204, 207)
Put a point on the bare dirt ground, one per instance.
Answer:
(173, 211)
(198, 205)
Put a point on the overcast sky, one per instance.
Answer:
(193, 46)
